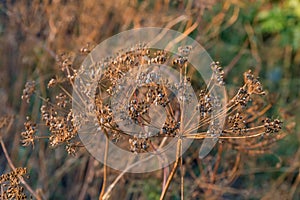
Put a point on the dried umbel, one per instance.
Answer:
(61, 127)
(60, 124)
(138, 106)
(144, 97)
(29, 90)
(134, 99)
(28, 136)
(138, 145)
(272, 126)
(10, 185)
(238, 124)
(218, 73)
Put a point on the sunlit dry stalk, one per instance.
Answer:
(104, 167)
(178, 158)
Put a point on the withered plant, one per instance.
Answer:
(245, 129)
(13, 184)
(243, 163)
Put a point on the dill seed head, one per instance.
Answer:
(272, 126)
(61, 100)
(28, 90)
(72, 148)
(138, 145)
(10, 185)
(238, 124)
(152, 89)
(28, 136)
(218, 73)
(252, 83)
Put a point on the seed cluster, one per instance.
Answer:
(218, 73)
(10, 184)
(208, 105)
(170, 128)
(28, 90)
(242, 98)
(104, 115)
(150, 94)
(117, 67)
(251, 86)
(72, 148)
(61, 127)
(238, 124)
(137, 109)
(61, 99)
(272, 126)
(138, 145)
(28, 136)
(65, 63)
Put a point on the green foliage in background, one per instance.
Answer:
(283, 20)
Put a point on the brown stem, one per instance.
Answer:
(104, 168)
(182, 175)
(163, 194)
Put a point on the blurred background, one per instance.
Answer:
(260, 35)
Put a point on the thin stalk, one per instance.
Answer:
(182, 175)
(223, 137)
(104, 167)
(163, 194)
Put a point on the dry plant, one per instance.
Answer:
(54, 25)
(245, 129)
(13, 184)
(10, 185)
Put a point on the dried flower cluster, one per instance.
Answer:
(10, 185)
(171, 128)
(151, 92)
(155, 105)
(238, 124)
(272, 126)
(138, 145)
(60, 127)
(28, 136)
(218, 73)
(29, 90)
